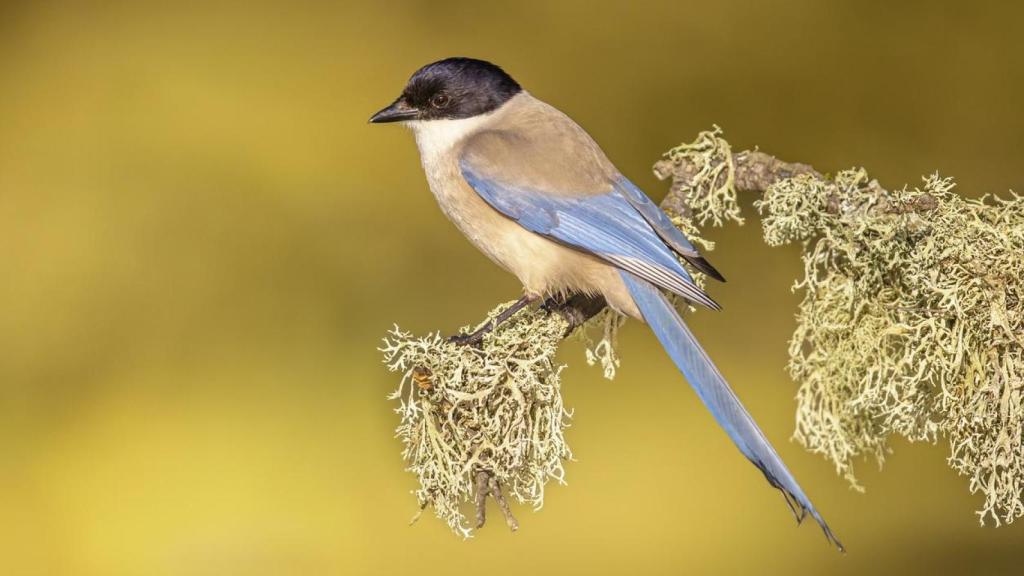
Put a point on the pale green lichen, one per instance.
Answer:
(497, 408)
(912, 321)
(911, 324)
(602, 351)
(711, 193)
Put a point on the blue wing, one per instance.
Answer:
(607, 225)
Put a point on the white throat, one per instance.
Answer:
(436, 137)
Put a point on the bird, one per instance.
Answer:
(536, 194)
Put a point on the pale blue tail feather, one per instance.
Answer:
(716, 394)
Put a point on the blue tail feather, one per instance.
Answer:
(717, 396)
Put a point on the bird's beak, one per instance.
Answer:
(398, 111)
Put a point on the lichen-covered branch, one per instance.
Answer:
(912, 323)
(476, 419)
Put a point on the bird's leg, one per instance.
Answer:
(477, 336)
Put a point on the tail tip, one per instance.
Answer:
(700, 263)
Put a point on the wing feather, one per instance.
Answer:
(606, 225)
(662, 224)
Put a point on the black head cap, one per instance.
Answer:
(451, 88)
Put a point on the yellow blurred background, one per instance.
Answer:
(202, 242)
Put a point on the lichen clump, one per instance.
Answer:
(708, 195)
(602, 350)
(496, 409)
(911, 323)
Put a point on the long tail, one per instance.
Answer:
(714, 391)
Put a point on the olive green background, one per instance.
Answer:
(202, 242)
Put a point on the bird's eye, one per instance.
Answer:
(440, 100)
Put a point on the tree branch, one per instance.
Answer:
(755, 171)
